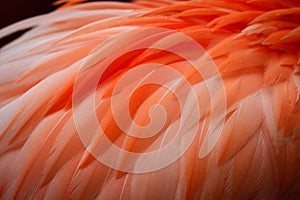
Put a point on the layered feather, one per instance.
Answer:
(255, 46)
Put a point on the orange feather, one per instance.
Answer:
(152, 100)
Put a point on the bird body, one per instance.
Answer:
(78, 91)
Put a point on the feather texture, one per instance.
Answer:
(254, 46)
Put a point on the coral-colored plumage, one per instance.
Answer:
(254, 44)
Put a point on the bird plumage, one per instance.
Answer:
(255, 46)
